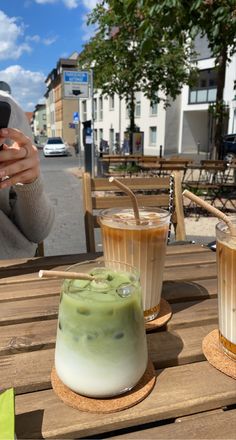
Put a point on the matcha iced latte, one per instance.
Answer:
(101, 348)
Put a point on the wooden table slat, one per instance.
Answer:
(184, 313)
(207, 426)
(167, 348)
(197, 387)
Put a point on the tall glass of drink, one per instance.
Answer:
(142, 245)
(101, 348)
(226, 269)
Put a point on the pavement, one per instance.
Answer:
(64, 188)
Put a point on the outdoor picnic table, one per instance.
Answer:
(191, 399)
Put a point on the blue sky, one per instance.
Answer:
(34, 34)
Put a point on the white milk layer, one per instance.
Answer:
(95, 377)
(227, 289)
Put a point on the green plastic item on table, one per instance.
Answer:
(7, 415)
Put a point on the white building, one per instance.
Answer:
(183, 128)
(111, 120)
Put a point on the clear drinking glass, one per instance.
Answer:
(101, 347)
(143, 246)
(226, 272)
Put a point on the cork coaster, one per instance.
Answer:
(215, 355)
(109, 405)
(163, 316)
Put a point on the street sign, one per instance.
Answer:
(76, 84)
(75, 117)
(73, 76)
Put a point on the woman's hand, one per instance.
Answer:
(19, 163)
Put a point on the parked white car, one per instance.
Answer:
(55, 147)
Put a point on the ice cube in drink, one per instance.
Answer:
(101, 347)
(141, 245)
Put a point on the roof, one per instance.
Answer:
(29, 116)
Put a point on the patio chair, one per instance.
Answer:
(99, 193)
(40, 250)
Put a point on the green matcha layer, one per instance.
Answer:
(104, 315)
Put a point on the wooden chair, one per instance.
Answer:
(99, 193)
(40, 250)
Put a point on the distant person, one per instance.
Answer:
(26, 214)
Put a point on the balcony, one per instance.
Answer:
(202, 96)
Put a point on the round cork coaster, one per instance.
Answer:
(109, 405)
(215, 355)
(163, 316)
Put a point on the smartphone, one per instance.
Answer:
(5, 113)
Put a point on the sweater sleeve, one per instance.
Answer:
(32, 212)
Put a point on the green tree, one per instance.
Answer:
(124, 62)
(215, 19)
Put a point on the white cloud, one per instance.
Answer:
(42, 2)
(27, 87)
(71, 4)
(49, 40)
(11, 31)
(90, 4)
(88, 31)
(37, 39)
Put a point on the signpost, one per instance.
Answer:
(76, 117)
(76, 83)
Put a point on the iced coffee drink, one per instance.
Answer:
(101, 347)
(141, 245)
(226, 266)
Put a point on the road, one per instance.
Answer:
(64, 190)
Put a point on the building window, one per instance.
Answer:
(100, 108)
(153, 108)
(112, 102)
(137, 108)
(95, 136)
(95, 109)
(84, 110)
(205, 88)
(100, 134)
(111, 138)
(152, 136)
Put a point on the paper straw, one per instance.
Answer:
(214, 211)
(65, 274)
(131, 195)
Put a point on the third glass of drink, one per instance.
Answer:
(226, 272)
(142, 245)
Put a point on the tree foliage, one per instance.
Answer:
(147, 45)
(125, 62)
(215, 19)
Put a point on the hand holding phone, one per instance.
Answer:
(5, 113)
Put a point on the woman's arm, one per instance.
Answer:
(20, 168)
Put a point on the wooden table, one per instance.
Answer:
(191, 399)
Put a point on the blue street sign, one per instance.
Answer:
(74, 76)
(75, 117)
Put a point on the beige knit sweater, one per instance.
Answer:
(26, 214)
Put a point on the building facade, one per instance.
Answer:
(40, 123)
(185, 127)
(59, 108)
